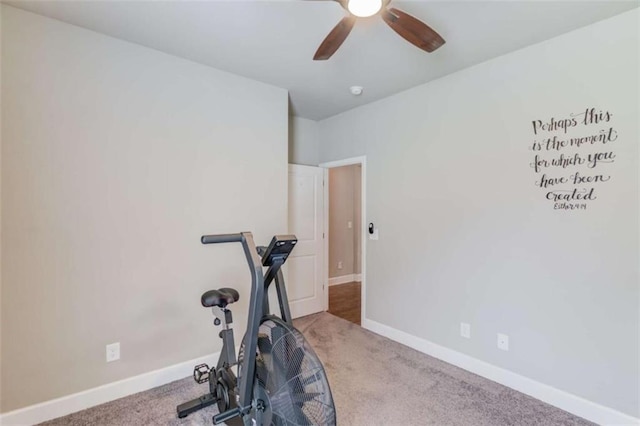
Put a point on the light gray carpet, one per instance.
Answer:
(374, 381)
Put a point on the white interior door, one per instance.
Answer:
(305, 286)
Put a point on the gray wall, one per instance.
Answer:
(344, 207)
(465, 234)
(357, 219)
(115, 159)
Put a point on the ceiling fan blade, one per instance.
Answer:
(335, 38)
(413, 30)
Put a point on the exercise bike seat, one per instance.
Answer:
(221, 297)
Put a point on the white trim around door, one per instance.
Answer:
(363, 224)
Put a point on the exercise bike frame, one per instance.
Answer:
(258, 307)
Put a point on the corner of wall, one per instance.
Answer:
(304, 141)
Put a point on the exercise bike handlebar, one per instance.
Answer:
(245, 385)
(221, 238)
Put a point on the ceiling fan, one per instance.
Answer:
(411, 29)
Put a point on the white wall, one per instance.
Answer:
(115, 159)
(304, 146)
(465, 235)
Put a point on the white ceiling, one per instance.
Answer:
(274, 41)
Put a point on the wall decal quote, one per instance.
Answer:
(571, 157)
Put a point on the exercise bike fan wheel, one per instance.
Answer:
(291, 377)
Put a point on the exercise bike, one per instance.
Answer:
(280, 380)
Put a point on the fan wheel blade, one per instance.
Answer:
(413, 30)
(334, 40)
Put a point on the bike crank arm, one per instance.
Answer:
(230, 414)
(227, 415)
(235, 412)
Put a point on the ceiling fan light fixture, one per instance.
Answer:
(364, 8)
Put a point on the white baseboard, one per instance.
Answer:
(343, 279)
(72, 403)
(79, 401)
(573, 404)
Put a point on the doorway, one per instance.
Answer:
(344, 216)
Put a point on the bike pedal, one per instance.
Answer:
(202, 373)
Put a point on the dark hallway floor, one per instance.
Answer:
(344, 301)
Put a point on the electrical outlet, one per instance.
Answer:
(113, 352)
(465, 330)
(340, 264)
(349, 224)
(503, 342)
